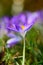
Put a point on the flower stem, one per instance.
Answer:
(23, 62)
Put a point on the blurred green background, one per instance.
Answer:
(30, 5)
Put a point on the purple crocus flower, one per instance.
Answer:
(13, 38)
(39, 23)
(3, 30)
(21, 24)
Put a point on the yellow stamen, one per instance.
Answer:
(22, 26)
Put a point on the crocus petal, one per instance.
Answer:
(33, 17)
(11, 35)
(41, 14)
(13, 41)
